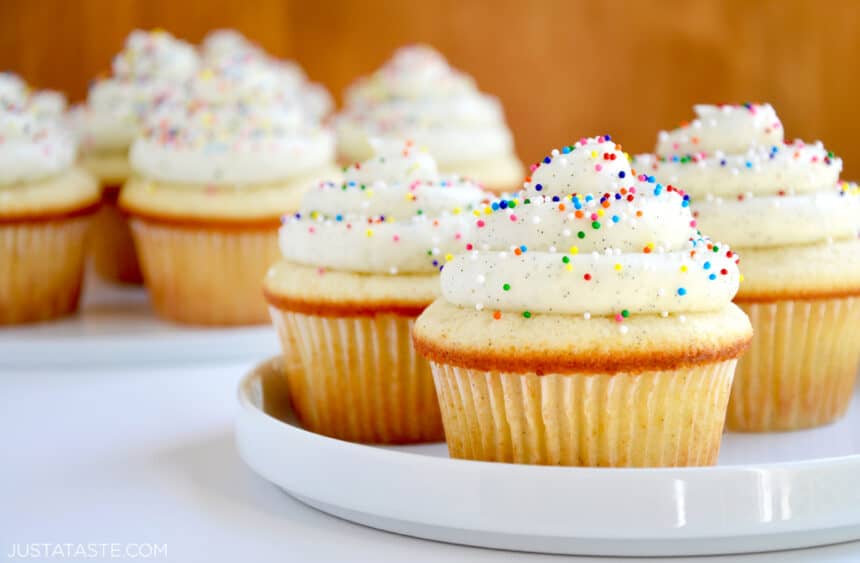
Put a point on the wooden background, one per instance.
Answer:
(563, 69)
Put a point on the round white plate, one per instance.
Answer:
(117, 325)
(768, 492)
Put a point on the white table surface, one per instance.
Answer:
(145, 455)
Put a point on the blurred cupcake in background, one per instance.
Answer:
(217, 165)
(417, 95)
(150, 64)
(46, 205)
(360, 261)
(781, 207)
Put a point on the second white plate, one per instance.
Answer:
(116, 325)
(768, 492)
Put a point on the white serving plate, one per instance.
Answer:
(116, 325)
(768, 492)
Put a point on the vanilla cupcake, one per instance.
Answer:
(148, 67)
(215, 170)
(797, 231)
(590, 325)
(46, 204)
(360, 261)
(417, 96)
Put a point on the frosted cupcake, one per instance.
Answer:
(797, 230)
(214, 171)
(46, 205)
(148, 67)
(590, 324)
(417, 96)
(360, 262)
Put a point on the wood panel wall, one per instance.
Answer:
(563, 68)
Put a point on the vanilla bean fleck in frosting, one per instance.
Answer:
(590, 236)
(417, 95)
(392, 214)
(749, 186)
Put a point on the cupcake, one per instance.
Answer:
(150, 64)
(46, 205)
(360, 262)
(215, 169)
(797, 230)
(417, 96)
(590, 325)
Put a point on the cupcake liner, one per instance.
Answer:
(358, 378)
(648, 419)
(41, 269)
(111, 244)
(800, 369)
(205, 276)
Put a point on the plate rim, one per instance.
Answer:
(245, 402)
(807, 526)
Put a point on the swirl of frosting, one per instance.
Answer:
(45, 103)
(234, 144)
(392, 214)
(413, 72)
(32, 147)
(149, 67)
(253, 79)
(241, 78)
(418, 96)
(13, 89)
(155, 55)
(232, 54)
(227, 43)
(588, 236)
(49, 103)
(729, 128)
(231, 124)
(748, 186)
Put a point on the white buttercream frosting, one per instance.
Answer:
(13, 89)
(49, 103)
(235, 144)
(236, 122)
(418, 96)
(586, 236)
(45, 103)
(149, 67)
(392, 214)
(227, 43)
(728, 128)
(32, 146)
(227, 51)
(750, 187)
